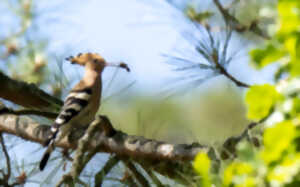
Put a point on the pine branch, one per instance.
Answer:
(236, 25)
(232, 78)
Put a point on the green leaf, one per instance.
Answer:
(239, 173)
(289, 16)
(268, 54)
(277, 140)
(260, 100)
(284, 173)
(295, 68)
(202, 166)
(296, 107)
(199, 17)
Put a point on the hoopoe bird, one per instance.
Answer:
(83, 101)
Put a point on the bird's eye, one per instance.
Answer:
(95, 60)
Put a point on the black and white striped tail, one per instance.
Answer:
(50, 148)
(75, 102)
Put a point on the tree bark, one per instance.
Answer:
(117, 142)
(27, 95)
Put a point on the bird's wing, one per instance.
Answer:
(75, 102)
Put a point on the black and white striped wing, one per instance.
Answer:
(75, 103)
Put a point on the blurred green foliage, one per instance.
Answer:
(277, 161)
(196, 117)
(202, 166)
(24, 51)
(284, 47)
(267, 97)
(197, 16)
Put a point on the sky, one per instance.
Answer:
(134, 31)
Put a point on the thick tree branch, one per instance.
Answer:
(27, 95)
(111, 141)
(166, 159)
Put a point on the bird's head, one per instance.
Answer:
(94, 61)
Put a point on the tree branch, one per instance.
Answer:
(233, 79)
(27, 95)
(229, 146)
(154, 178)
(51, 115)
(112, 161)
(139, 177)
(110, 142)
(128, 179)
(79, 160)
(7, 175)
(236, 25)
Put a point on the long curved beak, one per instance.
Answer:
(120, 65)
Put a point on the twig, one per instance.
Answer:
(219, 59)
(128, 179)
(229, 76)
(236, 25)
(119, 91)
(139, 177)
(70, 182)
(66, 179)
(80, 160)
(154, 178)
(229, 146)
(51, 115)
(7, 175)
(112, 161)
(79, 163)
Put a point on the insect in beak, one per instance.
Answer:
(120, 65)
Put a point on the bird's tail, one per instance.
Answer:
(50, 147)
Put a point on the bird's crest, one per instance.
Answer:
(95, 61)
(83, 58)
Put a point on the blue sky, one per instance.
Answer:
(134, 31)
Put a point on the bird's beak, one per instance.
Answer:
(120, 65)
(70, 59)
